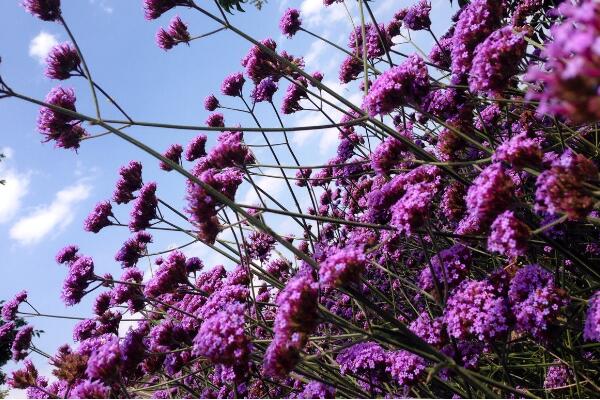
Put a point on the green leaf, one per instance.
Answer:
(229, 4)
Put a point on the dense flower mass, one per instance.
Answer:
(447, 248)
(567, 82)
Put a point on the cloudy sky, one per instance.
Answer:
(49, 191)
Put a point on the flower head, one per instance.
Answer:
(591, 329)
(290, 22)
(99, 217)
(211, 103)
(196, 148)
(417, 16)
(46, 10)
(144, 208)
(232, 84)
(61, 61)
(21, 343)
(130, 180)
(508, 235)
(173, 153)
(264, 91)
(175, 33)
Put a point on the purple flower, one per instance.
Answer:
(405, 367)
(317, 390)
(290, 22)
(264, 91)
(474, 309)
(173, 153)
(430, 330)
(215, 120)
(81, 273)
(46, 10)
(569, 79)
(477, 20)
(591, 329)
(535, 301)
(6, 331)
(350, 69)
(260, 245)
(450, 267)
(453, 201)
(376, 44)
(57, 126)
(520, 151)
(172, 273)
(84, 330)
(10, 308)
(67, 254)
(296, 318)
(21, 343)
(496, 61)
(490, 193)
(342, 267)
(196, 148)
(398, 86)
(99, 217)
(222, 339)
(232, 84)
(144, 208)
(90, 390)
(61, 61)
(417, 16)
(155, 8)
(367, 361)
(558, 376)
(176, 33)
(211, 103)
(295, 92)
(260, 65)
(25, 377)
(133, 249)
(105, 362)
(409, 211)
(387, 155)
(561, 188)
(129, 181)
(508, 235)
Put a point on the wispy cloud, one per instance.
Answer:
(40, 46)
(49, 218)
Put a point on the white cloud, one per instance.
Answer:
(40, 46)
(47, 218)
(14, 189)
(103, 4)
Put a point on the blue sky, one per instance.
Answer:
(50, 191)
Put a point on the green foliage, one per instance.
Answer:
(228, 5)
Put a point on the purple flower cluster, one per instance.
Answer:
(296, 318)
(569, 78)
(448, 268)
(591, 329)
(508, 235)
(99, 217)
(46, 10)
(196, 148)
(561, 188)
(343, 267)
(144, 208)
(61, 61)
(475, 310)
(10, 308)
(170, 274)
(535, 301)
(80, 275)
(264, 90)
(398, 86)
(176, 32)
(58, 126)
(405, 367)
(133, 249)
(368, 362)
(496, 61)
(416, 17)
(232, 84)
(290, 22)
(130, 180)
(173, 153)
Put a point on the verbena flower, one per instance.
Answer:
(99, 217)
(232, 84)
(46, 10)
(398, 86)
(10, 308)
(54, 125)
(21, 343)
(342, 267)
(173, 153)
(176, 32)
(264, 91)
(290, 22)
(417, 16)
(196, 148)
(405, 367)
(367, 361)
(144, 208)
(61, 61)
(130, 180)
(508, 235)
(591, 328)
(133, 249)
